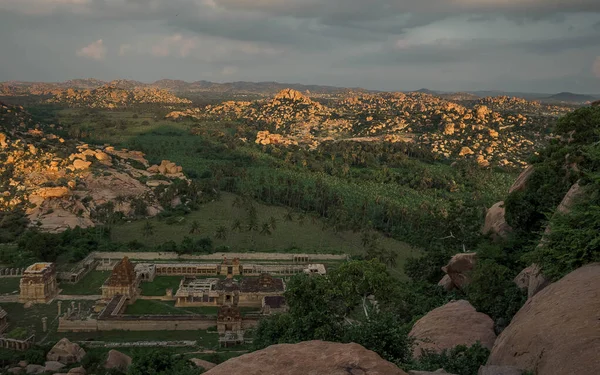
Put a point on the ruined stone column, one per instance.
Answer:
(59, 307)
(44, 324)
(79, 308)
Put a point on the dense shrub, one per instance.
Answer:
(460, 360)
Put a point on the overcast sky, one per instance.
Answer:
(511, 45)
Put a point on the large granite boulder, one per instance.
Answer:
(532, 280)
(521, 182)
(558, 330)
(495, 224)
(309, 358)
(459, 267)
(53, 366)
(436, 372)
(35, 369)
(65, 352)
(455, 323)
(499, 370)
(117, 360)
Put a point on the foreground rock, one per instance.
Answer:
(439, 371)
(495, 223)
(455, 323)
(499, 370)
(202, 363)
(458, 269)
(117, 360)
(310, 357)
(65, 352)
(556, 331)
(35, 369)
(53, 366)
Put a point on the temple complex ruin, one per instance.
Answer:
(122, 281)
(38, 283)
(250, 291)
(229, 326)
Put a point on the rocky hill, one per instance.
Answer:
(114, 96)
(19, 88)
(494, 131)
(62, 183)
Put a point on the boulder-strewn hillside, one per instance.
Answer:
(62, 183)
(112, 96)
(452, 130)
(17, 88)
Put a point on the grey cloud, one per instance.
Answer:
(342, 42)
(546, 47)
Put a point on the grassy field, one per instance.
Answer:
(9, 285)
(159, 285)
(89, 285)
(31, 318)
(289, 236)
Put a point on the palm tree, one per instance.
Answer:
(365, 239)
(237, 202)
(148, 229)
(273, 222)
(288, 216)
(252, 224)
(237, 225)
(391, 258)
(221, 233)
(266, 229)
(194, 227)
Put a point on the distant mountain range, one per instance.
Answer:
(562, 97)
(267, 89)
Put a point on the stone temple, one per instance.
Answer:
(38, 284)
(123, 281)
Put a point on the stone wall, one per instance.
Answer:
(218, 256)
(11, 272)
(159, 323)
(77, 325)
(14, 344)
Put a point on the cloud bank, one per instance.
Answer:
(526, 45)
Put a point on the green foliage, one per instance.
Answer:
(460, 360)
(574, 239)
(12, 225)
(427, 267)
(35, 355)
(140, 207)
(18, 333)
(493, 292)
(383, 333)
(336, 308)
(160, 362)
(9, 357)
(71, 245)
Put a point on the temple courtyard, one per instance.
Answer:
(204, 303)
